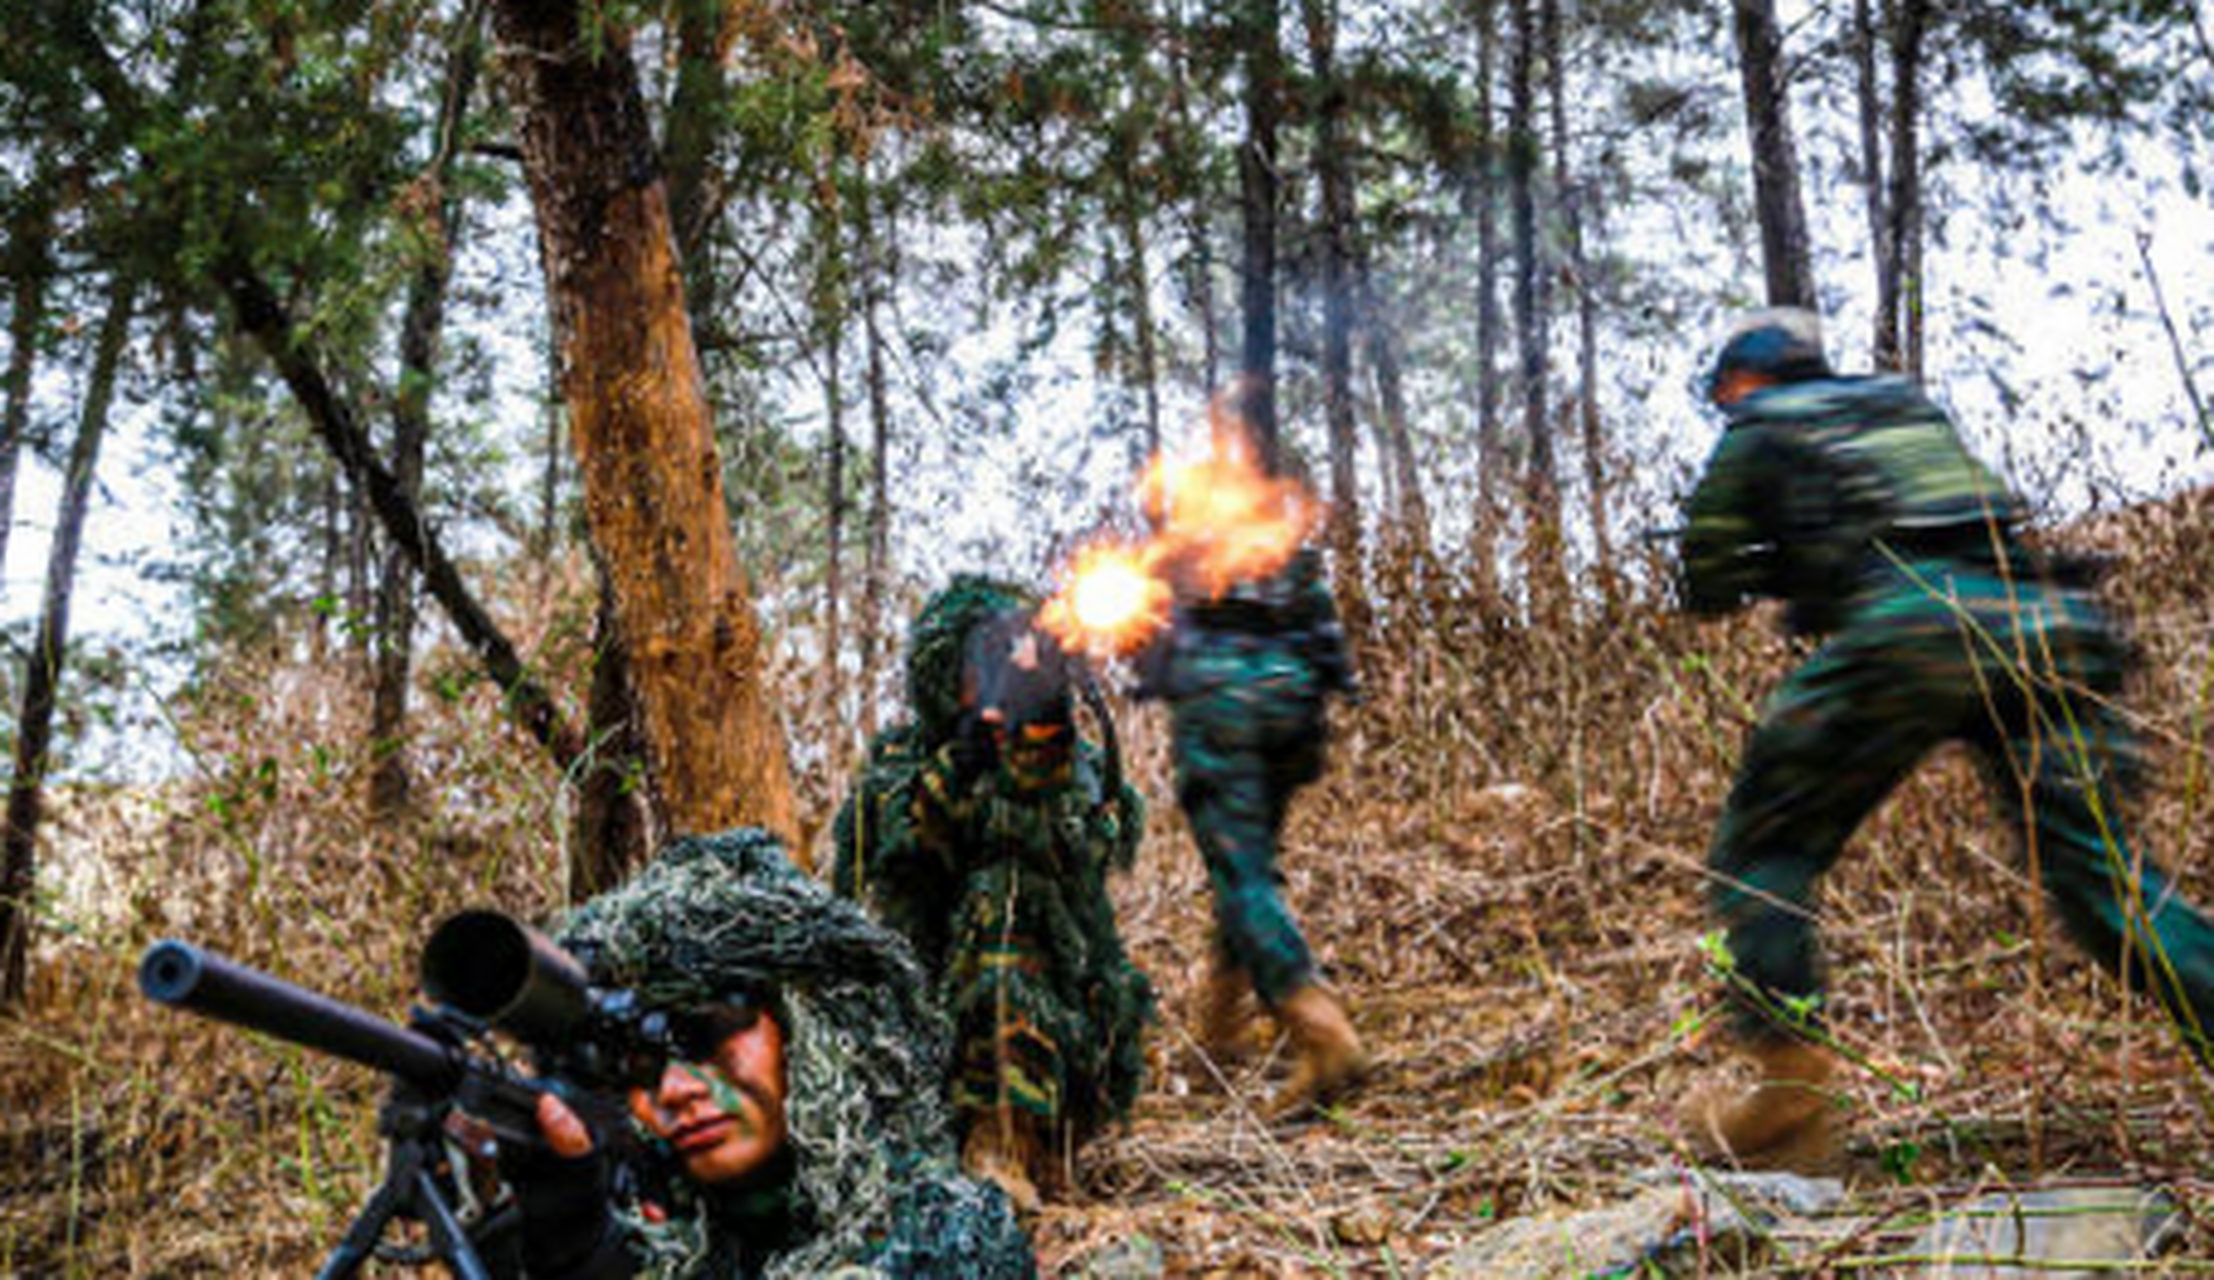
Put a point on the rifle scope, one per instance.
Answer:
(501, 971)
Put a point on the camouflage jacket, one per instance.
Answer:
(1819, 488)
(1286, 617)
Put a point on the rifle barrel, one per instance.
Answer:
(184, 976)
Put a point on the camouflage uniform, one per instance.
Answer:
(995, 867)
(871, 1187)
(1853, 500)
(1245, 675)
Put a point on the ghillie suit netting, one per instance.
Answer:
(874, 1176)
(1002, 886)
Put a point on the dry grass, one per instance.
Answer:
(1502, 870)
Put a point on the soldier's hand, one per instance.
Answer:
(569, 1227)
(564, 1130)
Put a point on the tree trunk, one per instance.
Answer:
(1336, 182)
(610, 831)
(876, 566)
(1870, 101)
(1139, 287)
(1260, 42)
(30, 265)
(1784, 250)
(693, 124)
(42, 672)
(1412, 511)
(1590, 431)
(638, 417)
(830, 332)
(1490, 471)
(1910, 21)
(549, 480)
(1532, 324)
(421, 330)
(262, 317)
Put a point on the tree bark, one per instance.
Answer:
(1541, 486)
(830, 332)
(1785, 255)
(1590, 430)
(42, 673)
(1490, 471)
(30, 265)
(1909, 24)
(1412, 511)
(422, 329)
(694, 122)
(1261, 46)
(881, 269)
(261, 316)
(1336, 182)
(1139, 288)
(639, 420)
(614, 816)
(1885, 335)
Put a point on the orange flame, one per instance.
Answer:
(1216, 521)
(1111, 602)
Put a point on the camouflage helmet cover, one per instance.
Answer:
(937, 646)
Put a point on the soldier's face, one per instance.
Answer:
(724, 1117)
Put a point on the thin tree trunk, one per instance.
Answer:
(549, 481)
(262, 317)
(1201, 290)
(330, 569)
(1785, 256)
(42, 674)
(830, 324)
(1490, 473)
(1908, 22)
(640, 422)
(1412, 510)
(1336, 182)
(695, 120)
(421, 330)
(30, 264)
(1263, 54)
(876, 565)
(1590, 431)
(614, 816)
(1532, 323)
(1885, 337)
(1139, 286)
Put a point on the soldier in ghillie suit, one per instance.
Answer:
(1246, 671)
(984, 829)
(810, 1138)
(1853, 501)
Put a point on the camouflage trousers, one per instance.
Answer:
(2024, 675)
(1245, 740)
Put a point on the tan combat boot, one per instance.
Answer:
(1784, 1121)
(1330, 1054)
(1226, 1011)
(1002, 1147)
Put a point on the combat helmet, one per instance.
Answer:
(1784, 343)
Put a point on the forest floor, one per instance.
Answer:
(1502, 872)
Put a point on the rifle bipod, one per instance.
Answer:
(417, 1175)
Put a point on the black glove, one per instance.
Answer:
(569, 1231)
